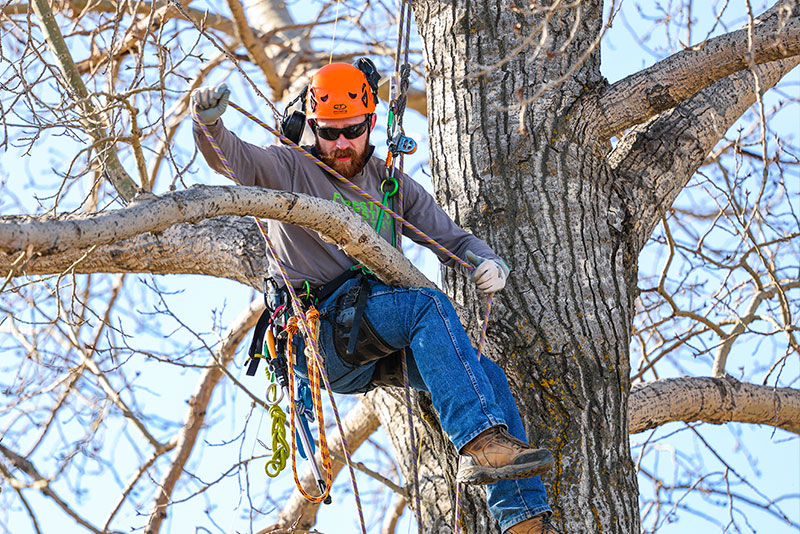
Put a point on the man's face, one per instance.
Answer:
(345, 156)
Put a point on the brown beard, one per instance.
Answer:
(348, 169)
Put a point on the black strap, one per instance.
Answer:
(257, 344)
(274, 296)
(326, 290)
(361, 304)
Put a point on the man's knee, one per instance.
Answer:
(438, 299)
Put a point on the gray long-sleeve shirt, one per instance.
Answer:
(305, 255)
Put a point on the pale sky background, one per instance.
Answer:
(204, 301)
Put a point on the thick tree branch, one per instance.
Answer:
(341, 225)
(657, 159)
(196, 415)
(712, 400)
(90, 116)
(669, 82)
(224, 247)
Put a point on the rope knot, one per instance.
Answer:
(292, 327)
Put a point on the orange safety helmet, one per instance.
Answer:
(339, 90)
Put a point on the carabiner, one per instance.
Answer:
(275, 392)
(396, 187)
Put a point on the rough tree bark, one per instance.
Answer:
(548, 205)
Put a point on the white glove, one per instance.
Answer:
(210, 102)
(490, 275)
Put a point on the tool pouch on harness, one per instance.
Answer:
(354, 337)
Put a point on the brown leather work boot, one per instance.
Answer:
(539, 524)
(496, 454)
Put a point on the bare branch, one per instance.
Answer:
(213, 21)
(255, 49)
(391, 520)
(115, 397)
(125, 493)
(669, 82)
(110, 163)
(659, 157)
(196, 415)
(721, 357)
(40, 483)
(177, 113)
(712, 400)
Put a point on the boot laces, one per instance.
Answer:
(547, 526)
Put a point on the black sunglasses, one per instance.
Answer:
(349, 132)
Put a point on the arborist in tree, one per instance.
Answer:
(366, 324)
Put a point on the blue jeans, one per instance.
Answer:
(470, 395)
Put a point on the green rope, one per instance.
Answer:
(280, 448)
(388, 201)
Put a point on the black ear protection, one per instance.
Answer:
(365, 65)
(292, 126)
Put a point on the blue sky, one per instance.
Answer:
(209, 302)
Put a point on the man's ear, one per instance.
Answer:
(373, 121)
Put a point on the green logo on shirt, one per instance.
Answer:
(367, 210)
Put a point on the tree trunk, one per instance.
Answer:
(526, 182)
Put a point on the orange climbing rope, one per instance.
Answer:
(312, 316)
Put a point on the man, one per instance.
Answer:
(471, 395)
